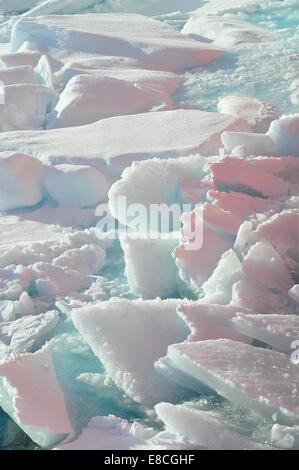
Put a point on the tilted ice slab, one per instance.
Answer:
(160, 278)
(258, 114)
(152, 7)
(279, 331)
(31, 395)
(209, 232)
(266, 282)
(156, 44)
(128, 337)
(20, 59)
(103, 94)
(237, 174)
(20, 180)
(173, 134)
(25, 106)
(227, 31)
(263, 380)
(202, 428)
(17, 74)
(282, 231)
(139, 182)
(211, 321)
(27, 333)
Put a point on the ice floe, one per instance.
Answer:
(173, 134)
(37, 405)
(157, 45)
(242, 373)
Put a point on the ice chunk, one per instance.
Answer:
(285, 134)
(255, 144)
(252, 294)
(294, 292)
(285, 437)
(27, 333)
(249, 376)
(19, 74)
(160, 278)
(88, 98)
(202, 428)
(210, 321)
(76, 185)
(258, 114)
(11, 309)
(279, 331)
(210, 231)
(218, 288)
(155, 43)
(282, 231)
(240, 204)
(140, 181)
(173, 133)
(226, 31)
(110, 432)
(20, 180)
(264, 265)
(128, 337)
(25, 106)
(240, 175)
(31, 395)
(20, 59)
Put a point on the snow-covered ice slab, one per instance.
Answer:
(279, 331)
(27, 333)
(211, 321)
(103, 94)
(263, 380)
(139, 183)
(18, 74)
(202, 428)
(20, 59)
(31, 395)
(237, 174)
(128, 337)
(172, 134)
(156, 44)
(226, 31)
(258, 114)
(25, 106)
(20, 180)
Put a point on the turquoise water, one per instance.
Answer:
(265, 73)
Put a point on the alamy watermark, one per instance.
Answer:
(153, 221)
